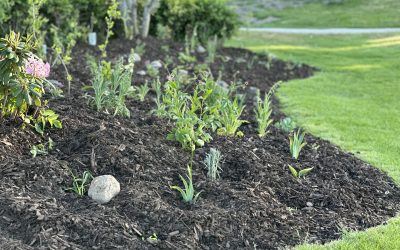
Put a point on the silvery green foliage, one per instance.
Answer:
(213, 163)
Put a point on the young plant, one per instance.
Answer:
(189, 131)
(42, 149)
(79, 185)
(230, 117)
(112, 15)
(213, 163)
(142, 91)
(296, 143)
(111, 86)
(263, 113)
(301, 173)
(286, 124)
(188, 193)
(152, 71)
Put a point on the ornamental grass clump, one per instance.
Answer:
(212, 163)
(296, 143)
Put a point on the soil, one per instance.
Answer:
(256, 203)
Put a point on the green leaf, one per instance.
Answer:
(293, 171)
(305, 171)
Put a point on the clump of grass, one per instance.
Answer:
(213, 163)
(79, 185)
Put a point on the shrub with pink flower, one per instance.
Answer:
(37, 68)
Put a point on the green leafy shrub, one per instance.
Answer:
(209, 17)
(23, 82)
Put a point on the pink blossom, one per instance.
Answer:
(37, 68)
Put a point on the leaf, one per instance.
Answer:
(293, 171)
(305, 171)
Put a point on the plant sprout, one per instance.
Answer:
(296, 143)
(301, 173)
(188, 193)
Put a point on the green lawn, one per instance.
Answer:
(348, 13)
(354, 101)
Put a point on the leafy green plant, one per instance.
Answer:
(140, 49)
(112, 15)
(42, 149)
(296, 143)
(111, 86)
(142, 91)
(186, 58)
(153, 72)
(263, 113)
(286, 124)
(301, 173)
(79, 185)
(188, 192)
(47, 116)
(22, 83)
(212, 163)
(189, 131)
(230, 117)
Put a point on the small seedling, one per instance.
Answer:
(296, 143)
(188, 194)
(301, 173)
(42, 149)
(213, 163)
(79, 185)
(142, 91)
(286, 124)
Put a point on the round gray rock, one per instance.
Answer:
(103, 188)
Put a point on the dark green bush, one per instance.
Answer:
(210, 17)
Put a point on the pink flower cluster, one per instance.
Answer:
(37, 68)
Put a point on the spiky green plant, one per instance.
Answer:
(263, 112)
(188, 193)
(79, 185)
(213, 163)
(296, 143)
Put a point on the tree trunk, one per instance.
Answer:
(149, 8)
(134, 18)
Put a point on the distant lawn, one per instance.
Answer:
(354, 102)
(348, 13)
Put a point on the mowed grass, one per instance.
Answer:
(346, 13)
(354, 101)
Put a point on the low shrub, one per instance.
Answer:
(22, 83)
(209, 17)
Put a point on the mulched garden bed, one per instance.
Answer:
(256, 204)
